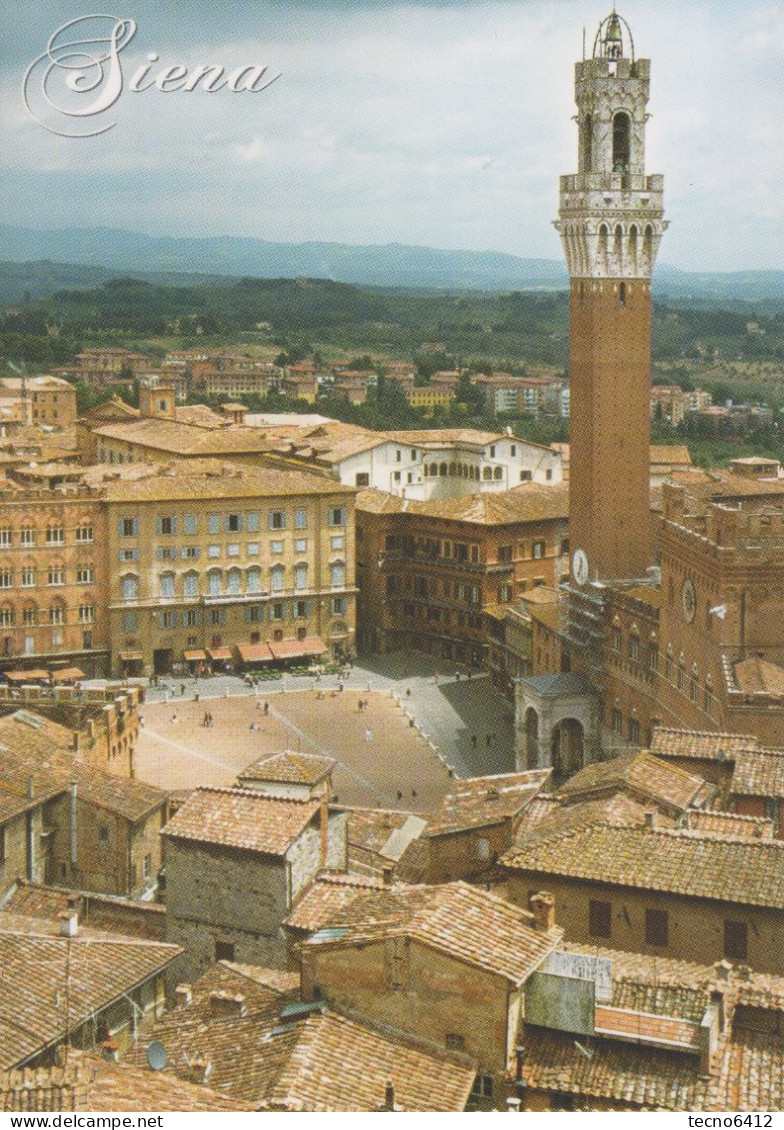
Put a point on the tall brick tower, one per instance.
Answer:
(610, 222)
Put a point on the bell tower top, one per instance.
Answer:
(611, 213)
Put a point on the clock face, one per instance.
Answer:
(688, 600)
(580, 566)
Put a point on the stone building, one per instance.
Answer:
(208, 558)
(53, 579)
(45, 401)
(427, 571)
(236, 859)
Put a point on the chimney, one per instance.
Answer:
(513, 1105)
(110, 1051)
(650, 821)
(388, 873)
(224, 1003)
(198, 1070)
(182, 995)
(324, 829)
(389, 1097)
(543, 909)
(68, 923)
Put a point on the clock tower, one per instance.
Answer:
(611, 222)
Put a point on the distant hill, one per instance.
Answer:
(43, 262)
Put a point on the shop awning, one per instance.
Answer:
(219, 652)
(67, 675)
(26, 676)
(194, 656)
(131, 656)
(255, 653)
(297, 649)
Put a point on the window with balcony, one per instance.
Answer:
(277, 574)
(233, 582)
(300, 577)
(254, 579)
(167, 586)
(214, 582)
(190, 585)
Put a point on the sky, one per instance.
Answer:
(441, 122)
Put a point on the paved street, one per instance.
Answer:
(450, 710)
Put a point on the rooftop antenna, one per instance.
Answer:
(583, 42)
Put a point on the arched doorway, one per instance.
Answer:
(531, 739)
(568, 753)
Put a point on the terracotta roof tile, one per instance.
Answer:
(289, 767)
(728, 824)
(755, 674)
(327, 897)
(469, 924)
(642, 774)
(34, 960)
(480, 801)
(699, 744)
(528, 502)
(733, 870)
(758, 773)
(242, 818)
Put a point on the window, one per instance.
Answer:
(277, 519)
(224, 951)
(634, 731)
(6, 617)
(55, 575)
(338, 606)
(167, 586)
(6, 579)
(616, 639)
(233, 586)
(129, 555)
(27, 535)
(337, 516)
(167, 619)
(301, 609)
(57, 614)
(252, 521)
(277, 610)
(656, 928)
(337, 543)
(736, 940)
(337, 574)
(233, 523)
(276, 547)
(147, 867)
(525, 476)
(166, 526)
(130, 622)
(276, 578)
(217, 617)
(190, 584)
(190, 524)
(254, 579)
(86, 613)
(653, 656)
(191, 552)
(634, 647)
(300, 577)
(85, 575)
(192, 618)
(55, 535)
(252, 549)
(617, 722)
(504, 553)
(301, 545)
(166, 553)
(128, 528)
(454, 1042)
(599, 919)
(537, 549)
(363, 479)
(213, 551)
(233, 549)
(28, 577)
(5, 535)
(214, 583)
(213, 523)
(30, 617)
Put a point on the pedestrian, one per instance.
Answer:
(175, 719)
(408, 692)
(473, 741)
(488, 739)
(399, 794)
(182, 689)
(206, 718)
(368, 735)
(413, 794)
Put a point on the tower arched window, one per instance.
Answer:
(633, 244)
(588, 144)
(622, 128)
(622, 294)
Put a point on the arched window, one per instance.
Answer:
(167, 585)
(233, 581)
(337, 574)
(487, 474)
(442, 469)
(452, 469)
(647, 245)
(214, 582)
(587, 144)
(604, 235)
(498, 473)
(621, 142)
(6, 616)
(622, 294)
(254, 579)
(190, 584)
(633, 245)
(618, 243)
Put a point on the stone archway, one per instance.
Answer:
(567, 747)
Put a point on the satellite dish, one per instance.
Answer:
(156, 1055)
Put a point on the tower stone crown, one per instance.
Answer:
(611, 214)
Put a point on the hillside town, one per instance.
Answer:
(425, 769)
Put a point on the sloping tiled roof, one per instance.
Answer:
(686, 863)
(758, 772)
(27, 752)
(528, 502)
(755, 674)
(728, 824)
(619, 809)
(479, 801)
(469, 924)
(108, 913)
(694, 743)
(641, 773)
(340, 1062)
(36, 963)
(242, 818)
(289, 767)
(327, 897)
(206, 478)
(124, 1086)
